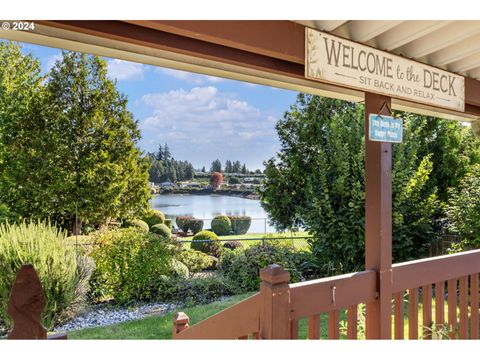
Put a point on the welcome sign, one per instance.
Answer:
(333, 59)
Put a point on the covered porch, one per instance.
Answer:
(275, 53)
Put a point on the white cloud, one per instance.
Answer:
(189, 77)
(204, 115)
(51, 60)
(125, 70)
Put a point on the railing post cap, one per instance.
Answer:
(180, 318)
(275, 274)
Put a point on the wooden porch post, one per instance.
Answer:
(378, 221)
(275, 303)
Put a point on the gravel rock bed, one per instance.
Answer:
(101, 315)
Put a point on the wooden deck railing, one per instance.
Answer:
(460, 273)
(236, 322)
(25, 306)
(275, 312)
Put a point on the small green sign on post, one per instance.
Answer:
(385, 128)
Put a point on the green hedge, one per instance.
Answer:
(128, 262)
(242, 267)
(186, 223)
(195, 225)
(162, 230)
(183, 222)
(221, 225)
(154, 217)
(193, 291)
(138, 224)
(63, 274)
(240, 224)
(206, 242)
(195, 261)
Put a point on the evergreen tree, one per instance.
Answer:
(216, 166)
(159, 155)
(237, 167)
(76, 155)
(166, 153)
(244, 169)
(228, 166)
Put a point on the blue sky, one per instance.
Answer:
(201, 117)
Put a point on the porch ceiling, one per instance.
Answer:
(450, 45)
(272, 52)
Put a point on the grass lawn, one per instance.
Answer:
(154, 327)
(300, 244)
(160, 327)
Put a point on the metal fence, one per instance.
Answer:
(295, 242)
(259, 225)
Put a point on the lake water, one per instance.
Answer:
(208, 206)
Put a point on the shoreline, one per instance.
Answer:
(235, 193)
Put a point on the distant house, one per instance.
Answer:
(168, 185)
(191, 184)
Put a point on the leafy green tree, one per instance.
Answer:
(20, 94)
(76, 156)
(464, 208)
(453, 148)
(317, 182)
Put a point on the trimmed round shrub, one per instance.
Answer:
(240, 224)
(207, 242)
(154, 217)
(162, 230)
(182, 222)
(242, 267)
(138, 224)
(128, 263)
(179, 269)
(169, 223)
(196, 225)
(64, 274)
(195, 261)
(233, 180)
(221, 225)
(233, 244)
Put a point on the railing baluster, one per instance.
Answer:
(413, 314)
(452, 307)
(463, 285)
(398, 315)
(427, 311)
(474, 306)
(294, 329)
(314, 327)
(439, 304)
(333, 324)
(352, 320)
